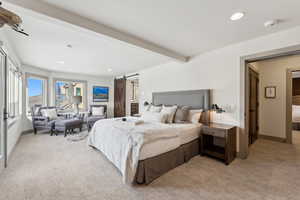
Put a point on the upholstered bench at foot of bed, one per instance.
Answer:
(67, 125)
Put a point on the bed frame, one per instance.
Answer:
(152, 168)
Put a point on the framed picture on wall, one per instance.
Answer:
(100, 94)
(270, 92)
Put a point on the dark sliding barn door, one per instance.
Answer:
(253, 105)
(120, 97)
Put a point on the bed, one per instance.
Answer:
(296, 117)
(144, 152)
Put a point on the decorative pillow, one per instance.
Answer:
(170, 111)
(98, 111)
(155, 108)
(194, 116)
(50, 113)
(181, 114)
(37, 111)
(154, 117)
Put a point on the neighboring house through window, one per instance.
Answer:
(64, 92)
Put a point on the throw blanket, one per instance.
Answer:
(121, 141)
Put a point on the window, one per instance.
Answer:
(37, 91)
(14, 81)
(64, 92)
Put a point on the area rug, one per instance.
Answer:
(78, 137)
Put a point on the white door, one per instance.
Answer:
(2, 103)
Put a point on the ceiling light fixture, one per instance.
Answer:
(237, 16)
(61, 62)
(109, 69)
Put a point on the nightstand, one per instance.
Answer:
(219, 141)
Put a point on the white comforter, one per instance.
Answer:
(121, 142)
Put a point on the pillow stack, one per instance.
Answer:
(171, 114)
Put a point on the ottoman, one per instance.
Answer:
(67, 125)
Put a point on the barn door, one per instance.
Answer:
(120, 97)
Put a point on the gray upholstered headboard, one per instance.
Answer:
(196, 99)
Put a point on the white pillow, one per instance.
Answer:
(145, 108)
(154, 117)
(170, 111)
(50, 113)
(98, 111)
(194, 116)
(155, 108)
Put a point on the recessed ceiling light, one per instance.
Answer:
(237, 16)
(61, 62)
(109, 69)
(271, 23)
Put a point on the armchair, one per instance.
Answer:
(91, 119)
(39, 121)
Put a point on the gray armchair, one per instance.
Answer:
(91, 119)
(39, 122)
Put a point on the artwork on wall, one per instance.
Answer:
(270, 92)
(100, 94)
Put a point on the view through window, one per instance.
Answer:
(36, 92)
(64, 92)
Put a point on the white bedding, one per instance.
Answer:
(121, 142)
(125, 143)
(296, 114)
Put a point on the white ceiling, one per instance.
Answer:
(188, 27)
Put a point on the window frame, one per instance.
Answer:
(85, 86)
(15, 93)
(45, 89)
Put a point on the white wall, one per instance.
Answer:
(91, 81)
(15, 130)
(219, 70)
(272, 118)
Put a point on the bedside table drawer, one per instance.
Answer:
(214, 132)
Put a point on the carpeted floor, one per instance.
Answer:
(52, 168)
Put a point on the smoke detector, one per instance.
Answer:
(271, 23)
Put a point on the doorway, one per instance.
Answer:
(132, 96)
(253, 104)
(293, 90)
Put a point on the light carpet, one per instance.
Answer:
(51, 168)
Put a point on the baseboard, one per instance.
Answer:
(273, 138)
(1, 165)
(27, 131)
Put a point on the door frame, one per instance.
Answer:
(244, 91)
(3, 161)
(289, 102)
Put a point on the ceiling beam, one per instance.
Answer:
(83, 22)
